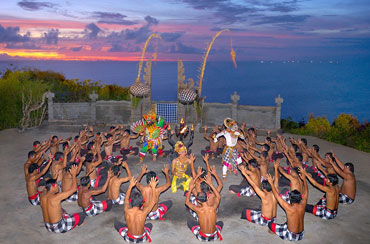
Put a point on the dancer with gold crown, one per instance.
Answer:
(179, 167)
(230, 155)
(153, 129)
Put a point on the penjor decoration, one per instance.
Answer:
(153, 129)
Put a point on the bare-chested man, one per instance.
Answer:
(92, 207)
(293, 229)
(327, 206)
(135, 230)
(108, 147)
(295, 181)
(56, 220)
(54, 146)
(244, 189)
(347, 191)
(159, 209)
(31, 182)
(207, 228)
(125, 139)
(213, 149)
(115, 183)
(268, 209)
(67, 179)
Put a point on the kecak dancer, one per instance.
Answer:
(230, 156)
(154, 129)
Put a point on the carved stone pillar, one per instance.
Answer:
(93, 96)
(234, 107)
(50, 97)
(278, 101)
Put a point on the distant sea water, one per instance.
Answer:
(321, 88)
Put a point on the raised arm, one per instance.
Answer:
(187, 200)
(165, 171)
(303, 177)
(315, 184)
(104, 187)
(63, 195)
(208, 180)
(251, 182)
(340, 164)
(128, 194)
(220, 184)
(45, 169)
(153, 183)
(338, 170)
(191, 162)
(205, 133)
(276, 178)
(282, 203)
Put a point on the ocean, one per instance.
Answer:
(321, 88)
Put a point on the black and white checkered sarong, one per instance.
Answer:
(283, 232)
(321, 211)
(343, 198)
(231, 158)
(97, 207)
(207, 237)
(255, 216)
(66, 223)
(35, 199)
(247, 192)
(135, 239)
(120, 200)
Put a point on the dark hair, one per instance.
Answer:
(253, 163)
(35, 143)
(295, 146)
(296, 170)
(116, 169)
(202, 197)
(84, 181)
(89, 157)
(76, 137)
(150, 175)
(333, 178)
(49, 183)
(295, 196)
(204, 173)
(331, 156)
(64, 145)
(90, 145)
(299, 156)
(128, 131)
(58, 156)
(204, 187)
(266, 146)
(32, 168)
(316, 147)
(98, 133)
(136, 199)
(264, 154)
(304, 140)
(31, 153)
(54, 137)
(251, 129)
(108, 136)
(277, 155)
(112, 128)
(266, 185)
(350, 166)
(268, 139)
(69, 166)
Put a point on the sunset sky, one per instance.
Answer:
(118, 29)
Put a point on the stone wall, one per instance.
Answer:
(112, 112)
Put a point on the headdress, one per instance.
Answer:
(150, 116)
(230, 123)
(180, 147)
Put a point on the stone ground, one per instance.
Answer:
(22, 223)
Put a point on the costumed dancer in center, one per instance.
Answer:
(154, 129)
(230, 155)
(179, 167)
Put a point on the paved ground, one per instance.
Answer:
(22, 222)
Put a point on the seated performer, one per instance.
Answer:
(56, 220)
(213, 150)
(115, 183)
(347, 191)
(32, 178)
(244, 188)
(293, 229)
(179, 167)
(207, 229)
(160, 209)
(268, 210)
(91, 207)
(172, 154)
(135, 230)
(327, 206)
(126, 149)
